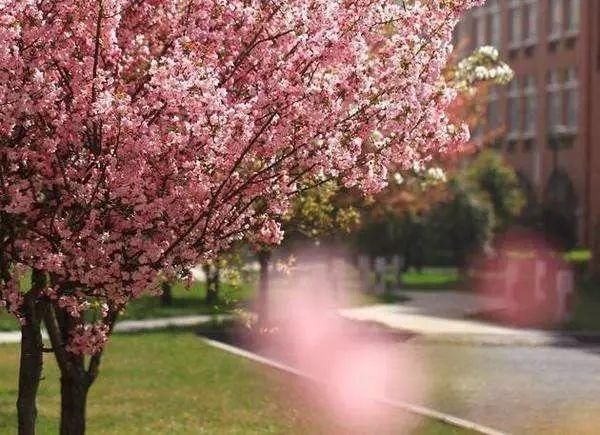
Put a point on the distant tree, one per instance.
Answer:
(483, 198)
(392, 221)
(500, 184)
(427, 214)
(212, 276)
(321, 213)
(463, 223)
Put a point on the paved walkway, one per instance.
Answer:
(440, 316)
(448, 303)
(435, 316)
(137, 325)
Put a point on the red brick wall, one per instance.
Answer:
(593, 131)
(581, 161)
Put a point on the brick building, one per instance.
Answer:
(547, 121)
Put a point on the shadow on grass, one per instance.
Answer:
(586, 315)
(392, 298)
(450, 285)
(148, 307)
(189, 302)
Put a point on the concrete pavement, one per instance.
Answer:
(434, 316)
(137, 325)
(440, 317)
(516, 389)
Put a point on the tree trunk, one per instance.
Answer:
(31, 363)
(264, 259)
(166, 297)
(75, 379)
(30, 373)
(73, 395)
(213, 282)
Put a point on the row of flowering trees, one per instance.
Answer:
(139, 138)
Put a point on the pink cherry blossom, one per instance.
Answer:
(271, 233)
(139, 138)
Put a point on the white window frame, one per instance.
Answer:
(514, 103)
(556, 15)
(479, 26)
(493, 16)
(493, 99)
(530, 97)
(482, 17)
(554, 88)
(531, 23)
(515, 16)
(573, 20)
(571, 84)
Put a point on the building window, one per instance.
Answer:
(530, 17)
(522, 23)
(494, 29)
(515, 25)
(573, 10)
(555, 19)
(493, 110)
(478, 28)
(514, 109)
(571, 90)
(563, 19)
(555, 123)
(529, 106)
(563, 102)
(487, 25)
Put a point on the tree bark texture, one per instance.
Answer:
(264, 260)
(31, 362)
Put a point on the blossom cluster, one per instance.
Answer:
(139, 138)
(88, 339)
(482, 65)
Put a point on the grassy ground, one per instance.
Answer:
(587, 307)
(189, 302)
(428, 278)
(171, 383)
(7, 322)
(432, 278)
(185, 302)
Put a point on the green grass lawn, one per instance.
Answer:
(170, 382)
(432, 278)
(7, 322)
(185, 302)
(578, 256)
(189, 302)
(587, 307)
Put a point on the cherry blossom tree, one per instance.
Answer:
(139, 138)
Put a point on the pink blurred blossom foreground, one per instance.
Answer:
(354, 366)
